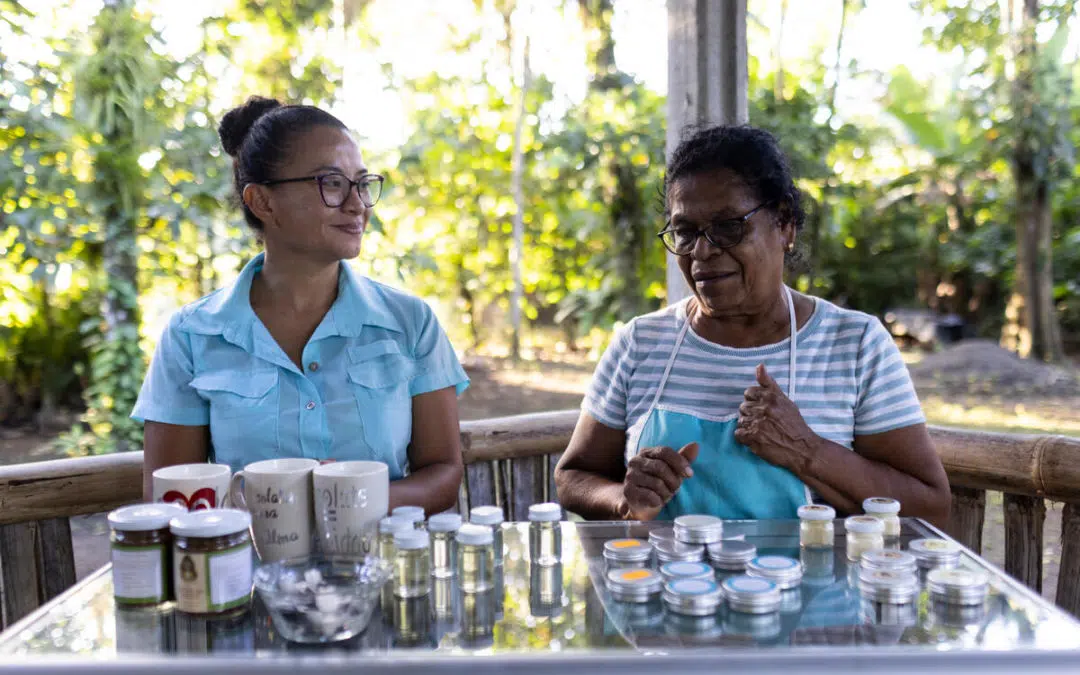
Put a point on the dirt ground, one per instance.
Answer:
(973, 385)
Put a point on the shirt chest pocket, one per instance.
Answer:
(379, 376)
(235, 395)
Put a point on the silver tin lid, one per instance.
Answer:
(731, 555)
(695, 597)
(958, 586)
(931, 553)
(697, 529)
(901, 561)
(894, 587)
(661, 534)
(627, 550)
(686, 570)
(751, 595)
(785, 572)
(676, 551)
(634, 585)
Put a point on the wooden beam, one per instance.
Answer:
(1024, 518)
(966, 519)
(19, 588)
(1068, 588)
(518, 436)
(61, 488)
(57, 557)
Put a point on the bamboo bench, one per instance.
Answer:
(510, 463)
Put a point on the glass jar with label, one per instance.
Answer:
(888, 596)
(931, 554)
(212, 560)
(623, 553)
(412, 568)
(816, 526)
(141, 551)
(675, 551)
(490, 516)
(730, 558)
(635, 585)
(692, 596)
(443, 528)
(674, 571)
(475, 558)
(414, 514)
(885, 509)
(863, 533)
(785, 572)
(545, 534)
(698, 529)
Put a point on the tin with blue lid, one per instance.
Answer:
(686, 570)
(692, 597)
(785, 572)
(751, 595)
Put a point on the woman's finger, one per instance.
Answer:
(652, 483)
(638, 496)
(680, 466)
(661, 471)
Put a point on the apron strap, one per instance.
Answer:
(793, 347)
(671, 362)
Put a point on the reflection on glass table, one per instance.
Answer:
(566, 607)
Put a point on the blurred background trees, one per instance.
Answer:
(956, 194)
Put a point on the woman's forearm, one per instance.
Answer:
(589, 495)
(434, 487)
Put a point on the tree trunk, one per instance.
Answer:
(517, 250)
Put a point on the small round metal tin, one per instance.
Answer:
(897, 561)
(697, 529)
(751, 595)
(676, 551)
(692, 597)
(660, 534)
(888, 586)
(784, 572)
(932, 553)
(686, 570)
(731, 556)
(634, 585)
(958, 586)
(624, 553)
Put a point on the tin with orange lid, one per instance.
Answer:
(624, 553)
(635, 585)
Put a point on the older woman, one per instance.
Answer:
(301, 356)
(747, 399)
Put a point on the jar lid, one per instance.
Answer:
(816, 512)
(661, 534)
(732, 553)
(934, 551)
(895, 587)
(634, 584)
(692, 596)
(883, 505)
(546, 512)
(210, 523)
(686, 570)
(412, 539)
(901, 561)
(699, 529)
(958, 586)
(444, 522)
(751, 594)
(486, 515)
(786, 572)
(475, 535)
(414, 514)
(864, 525)
(627, 550)
(676, 551)
(144, 517)
(391, 524)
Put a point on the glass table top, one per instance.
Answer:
(566, 608)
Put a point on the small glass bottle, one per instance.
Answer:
(414, 514)
(388, 527)
(863, 533)
(887, 510)
(475, 558)
(545, 590)
(816, 526)
(443, 528)
(545, 534)
(490, 516)
(412, 568)
(697, 529)
(623, 553)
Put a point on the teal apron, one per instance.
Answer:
(729, 480)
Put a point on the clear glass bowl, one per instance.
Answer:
(321, 598)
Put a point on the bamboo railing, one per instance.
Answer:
(510, 462)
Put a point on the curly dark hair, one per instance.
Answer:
(256, 135)
(751, 153)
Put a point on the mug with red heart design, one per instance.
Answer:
(193, 486)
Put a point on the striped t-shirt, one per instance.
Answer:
(850, 381)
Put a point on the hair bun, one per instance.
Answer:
(237, 122)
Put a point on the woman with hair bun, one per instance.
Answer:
(301, 356)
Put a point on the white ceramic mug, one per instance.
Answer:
(350, 498)
(193, 486)
(277, 492)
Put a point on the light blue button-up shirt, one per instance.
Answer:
(376, 348)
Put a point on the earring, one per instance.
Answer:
(791, 247)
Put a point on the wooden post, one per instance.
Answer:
(1024, 517)
(1068, 588)
(527, 485)
(18, 572)
(707, 79)
(966, 520)
(57, 557)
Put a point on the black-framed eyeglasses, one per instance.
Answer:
(681, 240)
(334, 187)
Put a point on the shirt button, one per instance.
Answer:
(310, 405)
(313, 366)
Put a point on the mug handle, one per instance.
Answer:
(236, 491)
